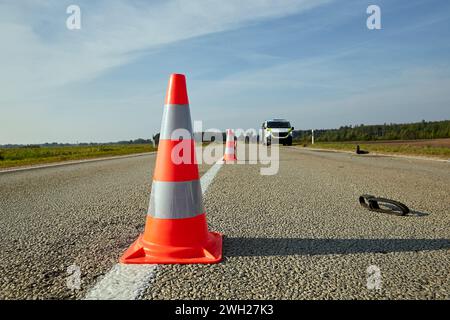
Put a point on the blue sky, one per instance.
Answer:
(312, 61)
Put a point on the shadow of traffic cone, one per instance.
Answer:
(176, 230)
(230, 147)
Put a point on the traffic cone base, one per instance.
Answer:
(230, 154)
(193, 243)
(229, 158)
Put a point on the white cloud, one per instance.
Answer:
(39, 54)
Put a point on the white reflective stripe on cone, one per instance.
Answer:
(229, 150)
(175, 116)
(176, 200)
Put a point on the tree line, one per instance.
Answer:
(81, 144)
(392, 131)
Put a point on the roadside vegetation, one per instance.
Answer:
(30, 155)
(383, 132)
(430, 139)
(403, 148)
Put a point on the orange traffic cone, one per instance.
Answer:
(176, 230)
(230, 147)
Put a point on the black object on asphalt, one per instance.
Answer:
(373, 204)
(359, 151)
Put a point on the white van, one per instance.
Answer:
(279, 129)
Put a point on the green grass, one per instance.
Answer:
(400, 149)
(12, 157)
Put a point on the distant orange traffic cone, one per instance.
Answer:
(176, 230)
(230, 147)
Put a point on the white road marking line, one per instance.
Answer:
(129, 281)
(66, 163)
(208, 177)
(123, 282)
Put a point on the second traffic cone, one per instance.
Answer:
(230, 147)
(176, 230)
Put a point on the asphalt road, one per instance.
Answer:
(297, 234)
(84, 214)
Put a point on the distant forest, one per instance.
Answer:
(393, 131)
(81, 144)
